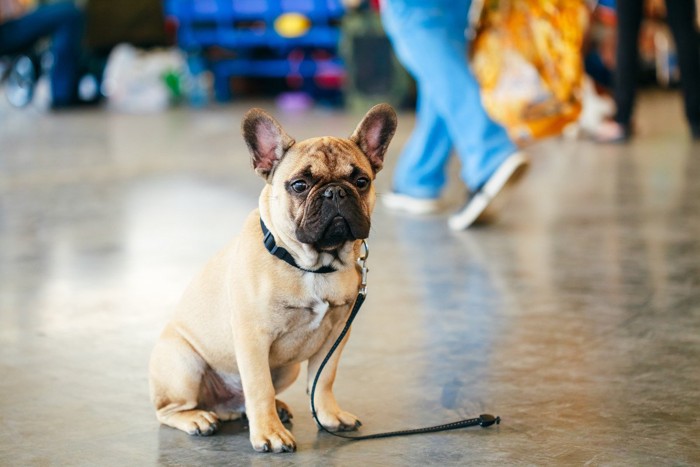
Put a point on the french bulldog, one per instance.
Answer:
(249, 319)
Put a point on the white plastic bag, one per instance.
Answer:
(135, 80)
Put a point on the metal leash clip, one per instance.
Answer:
(362, 262)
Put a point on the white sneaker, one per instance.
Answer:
(505, 176)
(410, 204)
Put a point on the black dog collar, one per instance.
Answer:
(281, 253)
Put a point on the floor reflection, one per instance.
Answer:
(576, 317)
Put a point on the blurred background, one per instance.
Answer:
(148, 55)
(543, 66)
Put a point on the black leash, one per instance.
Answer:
(483, 420)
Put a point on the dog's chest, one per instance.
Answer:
(309, 320)
(318, 311)
(321, 298)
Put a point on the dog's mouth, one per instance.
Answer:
(335, 235)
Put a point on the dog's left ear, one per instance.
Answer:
(266, 140)
(374, 134)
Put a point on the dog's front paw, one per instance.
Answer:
(275, 438)
(338, 420)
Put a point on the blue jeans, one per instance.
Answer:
(428, 37)
(64, 23)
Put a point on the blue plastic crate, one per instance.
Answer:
(247, 29)
(239, 24)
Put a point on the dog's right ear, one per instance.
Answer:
(266, 140)
(374, 133)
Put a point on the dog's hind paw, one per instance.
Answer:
(283, 411)
(198, 422)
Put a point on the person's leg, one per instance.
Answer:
(629, 18)
(681, 19)
(64, 23)
(20, 34)
(66, 46)
(420, 171)
(433, 32)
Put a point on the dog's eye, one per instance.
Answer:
(362, 182)
(299, 186)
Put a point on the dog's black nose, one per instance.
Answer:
(334, 192)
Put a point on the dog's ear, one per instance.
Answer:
(266, 140)
(374, 133)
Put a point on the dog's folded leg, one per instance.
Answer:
(331, 416)
(267, 433)
(175, 376)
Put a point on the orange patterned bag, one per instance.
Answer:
(527, 57)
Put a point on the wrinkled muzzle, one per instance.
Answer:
(333, 215)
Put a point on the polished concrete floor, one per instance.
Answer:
(576, 317)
